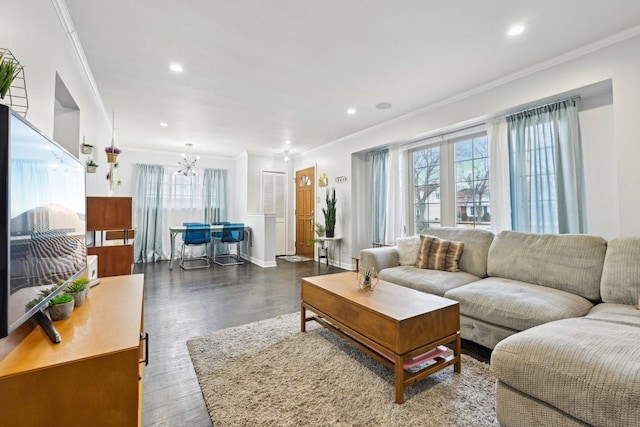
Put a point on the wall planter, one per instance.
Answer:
(87, 149)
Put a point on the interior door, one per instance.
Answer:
(305, 197)
(274, 200)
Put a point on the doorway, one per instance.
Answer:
(274, 200)
(305, 204)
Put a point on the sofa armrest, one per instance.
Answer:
(380, 258)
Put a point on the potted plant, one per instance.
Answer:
(330, 213)
(112, 153)
(86, 148)
(8, 71)
(91, 166)
(60, 307)
(320, 231)
(83, 281)
(78, 292)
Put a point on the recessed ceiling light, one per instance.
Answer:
(288, 142)
(164, 124)
(516, 30)
(351, 111)
(383, 106)
(176, 68)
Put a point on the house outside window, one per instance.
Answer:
(450, 184)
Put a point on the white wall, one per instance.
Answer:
(611, 134)
(33, 33)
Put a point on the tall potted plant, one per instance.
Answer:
(330, 213)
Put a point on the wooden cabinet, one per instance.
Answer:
(105, 214)
(93, 377)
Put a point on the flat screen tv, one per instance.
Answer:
(43, 223)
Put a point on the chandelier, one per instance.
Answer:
(187, 165)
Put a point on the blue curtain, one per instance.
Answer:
(215, 195)
(545, 161)
(147, 213)
(378, 195)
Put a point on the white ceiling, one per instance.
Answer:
(258, 73)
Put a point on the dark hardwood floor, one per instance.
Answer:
(180, 304)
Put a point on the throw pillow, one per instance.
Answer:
(453, 256)
(408, 250)
(439, 254)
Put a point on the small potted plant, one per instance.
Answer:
(91, 166)
(320, 230)
(60, 307)
(112, 153)
(83, 281)
(8, 72)
(78, 292)
(86, 148)
(330, 213)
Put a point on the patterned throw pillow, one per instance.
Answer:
(439, 254)
(408, 249)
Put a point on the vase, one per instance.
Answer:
(112, 157)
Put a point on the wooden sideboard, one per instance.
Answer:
(93, 377)
(104, 215)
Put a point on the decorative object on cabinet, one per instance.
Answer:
(330, 212)
(12, 83)
(323, 181)
(78, 292)
(61, 307)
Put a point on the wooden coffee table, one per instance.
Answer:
(393, 324)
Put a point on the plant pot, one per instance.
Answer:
(112, 157)
(87, 149)
(61, 311)
(78, 297)
(329, 233)
(91, 169)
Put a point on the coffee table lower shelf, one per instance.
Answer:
(394, 361)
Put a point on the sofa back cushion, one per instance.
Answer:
(568, 262)
(476, 247)
(621, 273)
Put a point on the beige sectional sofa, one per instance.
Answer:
(559, 313)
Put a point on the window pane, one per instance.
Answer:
(472, 183)
(426, 188)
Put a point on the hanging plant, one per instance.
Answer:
(112, 153)
(8, 71)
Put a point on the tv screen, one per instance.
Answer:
(43, 228)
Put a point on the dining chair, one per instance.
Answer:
(197, 234)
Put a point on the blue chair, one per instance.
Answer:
(231, 233)
(197, 234)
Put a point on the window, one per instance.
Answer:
(451, 184)
(426, 188)
(472, 182)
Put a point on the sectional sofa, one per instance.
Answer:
(559, 312)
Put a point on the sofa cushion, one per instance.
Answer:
(453, 256)
(621, 272)
(582, 368)
(476, 247)
(408, 249)
(439, 254)
(516, 305)
(435, 282)
(616, 313)
(568, 262)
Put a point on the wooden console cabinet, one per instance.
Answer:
(93, 377)
(105, 214)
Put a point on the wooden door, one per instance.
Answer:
(305, 197)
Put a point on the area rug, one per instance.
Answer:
(294, 258)
(269, 373)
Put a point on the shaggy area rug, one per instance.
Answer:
(269, 373)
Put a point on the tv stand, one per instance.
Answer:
(97, 368)
(47, 326)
